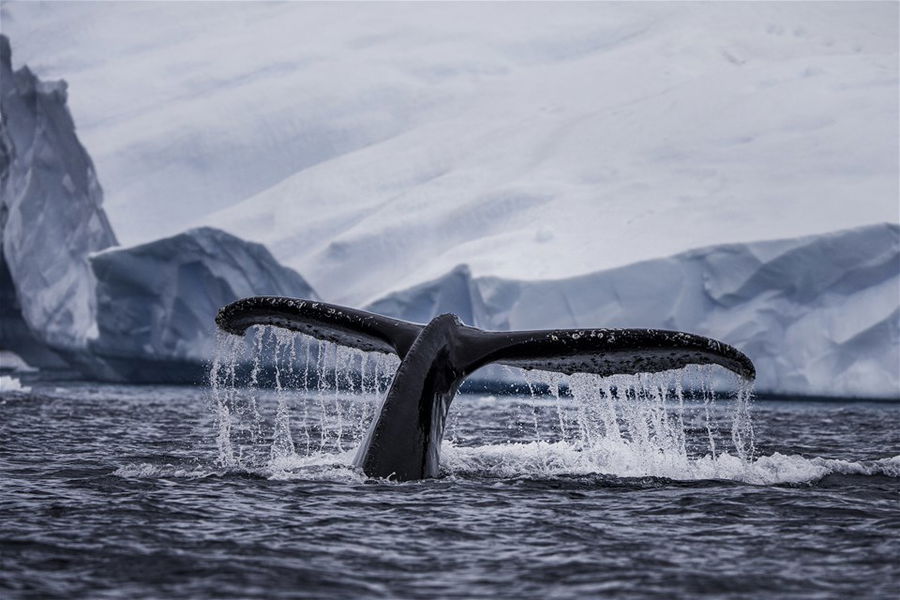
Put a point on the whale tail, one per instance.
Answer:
(404, 441)
(338, 324)
(598, 351)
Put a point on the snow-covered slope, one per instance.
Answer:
(818, 315)
(156, 302)
(51, 216)
(380, 145)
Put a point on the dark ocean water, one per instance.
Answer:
(120, 492)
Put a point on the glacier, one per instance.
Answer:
(818, 315)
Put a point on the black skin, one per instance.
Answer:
(405, 439)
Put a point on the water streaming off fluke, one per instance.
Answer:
(286, 401)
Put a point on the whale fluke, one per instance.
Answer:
(610, 351)
(339, 324)
(404, 440)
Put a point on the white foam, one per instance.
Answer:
(9, 383)
(542, 460)
(150, 471)
(546, 460)
(889, 467)
(318, 467)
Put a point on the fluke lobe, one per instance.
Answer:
(404, 440)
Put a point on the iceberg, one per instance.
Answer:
(819, 315)
(69, 296)
(157, 302)
(12, 362)
(15, 333)
(51, 218)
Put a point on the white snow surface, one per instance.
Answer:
(818, 315)
(372, 147)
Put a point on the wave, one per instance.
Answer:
(151, 471)
(548, 460)
(317, 467)
(543, 460)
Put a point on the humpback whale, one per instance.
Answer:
(404, 440)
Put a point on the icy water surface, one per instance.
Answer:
(110, 491)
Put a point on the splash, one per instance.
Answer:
(9, 383)
(542, 460)
(287, 402)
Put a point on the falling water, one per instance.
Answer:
(280, 395)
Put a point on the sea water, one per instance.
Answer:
(586, 487)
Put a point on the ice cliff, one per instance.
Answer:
(818, 315)
(68, 295)
(50, 217)
(156, 302)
